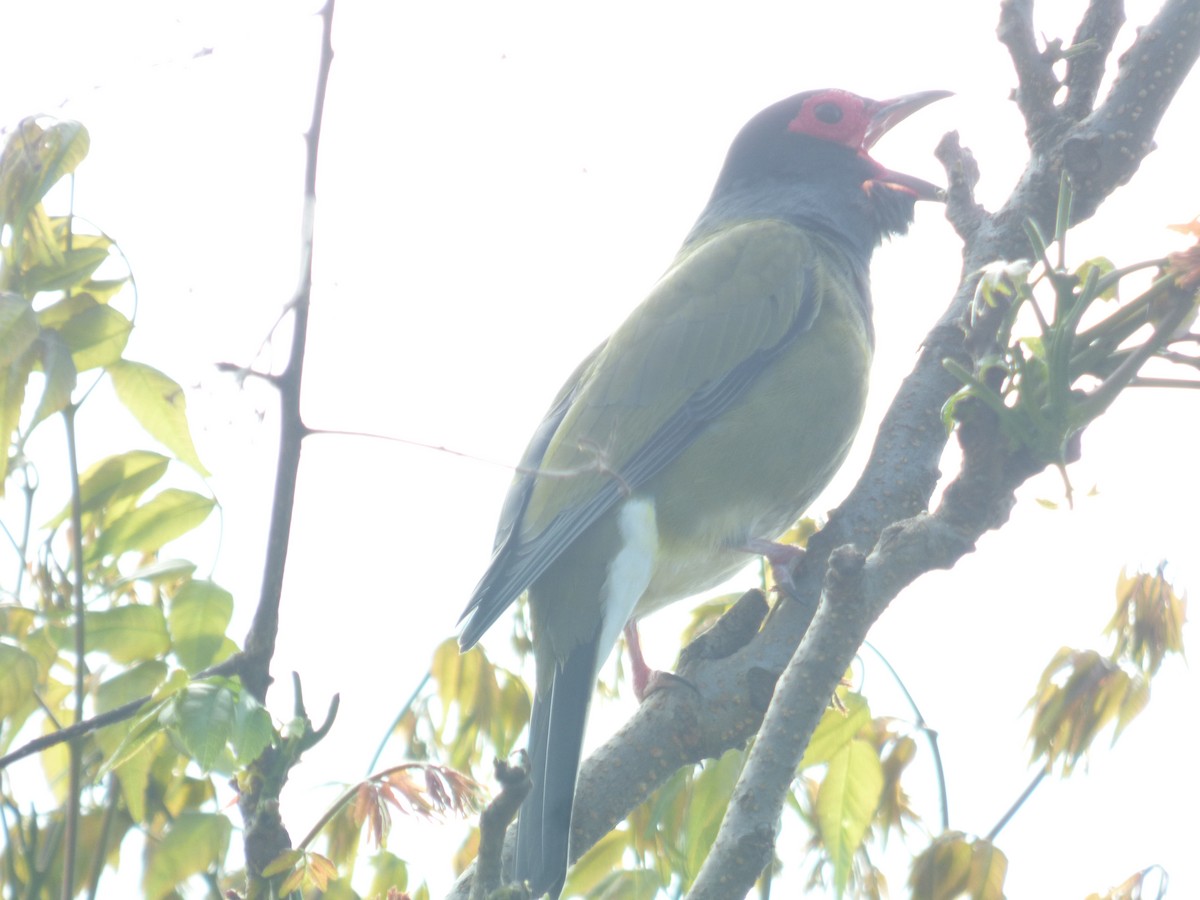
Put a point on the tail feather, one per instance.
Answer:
(556, 728)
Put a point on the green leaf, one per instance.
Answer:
(140, 681)
(59, 369)
(284, 862)
(13, 379)
(34, 159)
(18, 327)
(636, 884)
(159, 405)
(96, 335)
(253, 729)
(134, 774)
(846, 802)
(60, 149)
(57, 314)
(128, 633)
(104, 289)
(199, 614)
(597, 864)
(194, 843)
(211, 714)
(989, 865)
(148, 724)
(943, 870)
(1101, 266)
(390, 872)
(18, 675)
(163, 518)
(710, 793)
(125, 476)
(201, 718)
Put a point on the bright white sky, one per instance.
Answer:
(500, 183)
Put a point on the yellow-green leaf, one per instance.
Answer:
(1102, 267)
(72, 269)
(199, 613)
(144, 729)
(147, 528)
(58, 150)
(13, 379)
(846, 803)
(283, 862)
(201, 718)
(58, 313)
(34, 159)
(709, 796)
(252, 730)
(18, 675)
(988, 868)
(59, 370)
(634, 884)
(96, 334)
(104, 289)
(586, 875)
(128, 633)
(943, 870)
(18, 327)
(159, 572)
(118, 477)
(390, 872)
(134, 774)
(836, 728)
(159, 405)
(194, 843)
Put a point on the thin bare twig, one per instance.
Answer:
(260, 639)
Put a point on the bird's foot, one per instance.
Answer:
(645, 679)
(783, 559)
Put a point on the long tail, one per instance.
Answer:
(556, 728)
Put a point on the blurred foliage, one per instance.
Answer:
(90, 572)
(1081, 692)
(66, 313)
(1085, 345)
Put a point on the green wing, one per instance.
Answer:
(717, 319)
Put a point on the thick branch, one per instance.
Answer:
(1036, 82)
(1094, 40)
(1101, 151)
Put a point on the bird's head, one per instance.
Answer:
(857, 123)
(808, 158)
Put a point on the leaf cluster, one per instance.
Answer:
(93, 616)
(1086, 345)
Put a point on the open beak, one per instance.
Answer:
(886, 115)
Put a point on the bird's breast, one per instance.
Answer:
(755, 469)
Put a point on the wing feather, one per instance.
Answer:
(717, 319)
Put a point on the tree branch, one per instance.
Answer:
(1097, 32)
(1036, 82)
(260, 639)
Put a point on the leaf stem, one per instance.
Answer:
(75, 748)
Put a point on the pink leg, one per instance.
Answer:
(783, 558)
(642, 673)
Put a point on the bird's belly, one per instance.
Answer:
(756, 469)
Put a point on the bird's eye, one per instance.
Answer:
(829, 113)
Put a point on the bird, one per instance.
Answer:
(703, 426)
